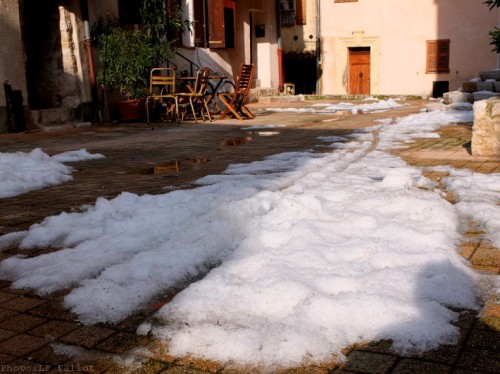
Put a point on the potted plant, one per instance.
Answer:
(128, 54)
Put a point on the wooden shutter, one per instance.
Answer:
(300, 12)
(216, 37)
(438, 56)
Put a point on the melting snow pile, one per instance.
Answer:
(22, 172)
(306, 253)
(375, 106)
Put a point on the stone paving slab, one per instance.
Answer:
(38, 334)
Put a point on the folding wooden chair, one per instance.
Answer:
(234, 102)
(162, 90)
(198, 95)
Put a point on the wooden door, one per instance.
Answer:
(359, 72)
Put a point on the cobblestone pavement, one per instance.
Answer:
(38, 335)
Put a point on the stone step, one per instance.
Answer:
(55, 119)
(63, 126)
(467, 97)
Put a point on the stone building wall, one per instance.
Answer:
(11, 55)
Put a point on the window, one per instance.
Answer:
(292, 12)
(287, 12)
(128, 12)
(438, 56)
(214, 23)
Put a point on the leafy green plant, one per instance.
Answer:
(127, 55)
(492, 3)
(495, 33)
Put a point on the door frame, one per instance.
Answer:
(342, 53)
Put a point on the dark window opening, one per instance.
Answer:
(129, 12)
(287, 12)
(439, 88)
(229, 27)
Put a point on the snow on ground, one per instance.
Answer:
(479, 198)
(23, 172)
(375, 106)
(305, 253)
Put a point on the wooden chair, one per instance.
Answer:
(162, 91)
(198, 95)
(234, 102)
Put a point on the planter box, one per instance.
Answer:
(131, 110)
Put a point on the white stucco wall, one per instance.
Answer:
(263, 52)
(301, 37)
(397, 32)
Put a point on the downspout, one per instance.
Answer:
(250, 17)
(318, 47)
(90, 56)
(280, 49)
(89, 51)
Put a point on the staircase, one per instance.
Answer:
(485, 87)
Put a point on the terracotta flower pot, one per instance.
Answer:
(131, 110)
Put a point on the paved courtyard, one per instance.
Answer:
(37, 334)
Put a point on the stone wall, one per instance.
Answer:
(486, 128)
(11, 55)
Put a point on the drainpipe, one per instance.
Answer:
(318, 46)
(88, 50)
(250, 17)
(280, 49)
(90, 56)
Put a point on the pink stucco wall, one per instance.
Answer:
(397, 32)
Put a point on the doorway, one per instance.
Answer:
(359, 70)
(300, 69)
(53, 55)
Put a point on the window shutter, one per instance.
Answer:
(300, 12)
(216, 37)
(438, 56)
